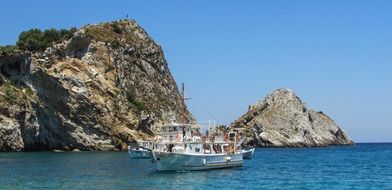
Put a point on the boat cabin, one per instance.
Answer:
(177, 132)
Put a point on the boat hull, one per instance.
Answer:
(248, 154)
(139, 154)
(169, 161)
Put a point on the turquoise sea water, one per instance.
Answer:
(363, 166)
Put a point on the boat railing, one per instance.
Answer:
(196, 147)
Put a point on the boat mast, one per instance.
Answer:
(182, 104)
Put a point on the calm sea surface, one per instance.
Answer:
(363, 166)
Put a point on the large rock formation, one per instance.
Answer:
(282, 120)
(100, 90)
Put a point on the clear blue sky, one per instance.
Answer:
(335, 54)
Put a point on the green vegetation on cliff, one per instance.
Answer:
(131, 97)
(37, 40)
(8, 49)
(15, 96)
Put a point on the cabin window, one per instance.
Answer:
(226, 148)
(217, 148)
(197, 149)
(207, 149)
(232, 136)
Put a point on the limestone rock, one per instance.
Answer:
(10, 136)
(105, 87)
(283, 120)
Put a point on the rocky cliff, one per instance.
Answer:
(100, 90)
(283, 120)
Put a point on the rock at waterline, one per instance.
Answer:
(283, 120)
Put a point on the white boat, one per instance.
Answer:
(179, 147)
(247, 153)
(142, 150)
(139, 153)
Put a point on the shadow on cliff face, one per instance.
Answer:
(47, 134)
(50, 92)
(78, 46)
(15, 68)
